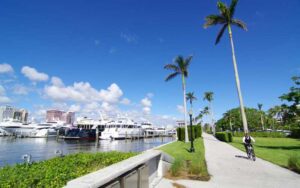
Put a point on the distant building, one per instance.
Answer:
(180, 123)
(9, 112)
(60, 116)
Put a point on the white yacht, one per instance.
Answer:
(122, 128)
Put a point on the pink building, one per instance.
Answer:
(60, 116)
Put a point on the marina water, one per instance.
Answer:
(12, 149)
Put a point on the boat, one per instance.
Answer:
(122, 128)
(86, 129)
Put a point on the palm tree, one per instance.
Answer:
(203, 112)
(209, 96)
(190, 97)
(225, 18)
(180, 67)
(259, 105)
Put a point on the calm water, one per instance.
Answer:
(12, 149)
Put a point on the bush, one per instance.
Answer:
(58, 171)
(176, 167)
(197, 132)
(294, 163)
(262, 134)
(295, 133)
(224, 136)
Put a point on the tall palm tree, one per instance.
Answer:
(259, 105)
(209, 96)
(191, 97)
(180, 68)
(226, 19)
(203, 112)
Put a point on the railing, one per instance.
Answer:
(140, 171)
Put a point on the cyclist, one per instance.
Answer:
(247, 141)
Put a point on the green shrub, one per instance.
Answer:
(224, 136)
(262, 134)
(197, 132)
(294, 163)
(58, 171)
(176, 167)
(295, 133)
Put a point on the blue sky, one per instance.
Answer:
(125, 44)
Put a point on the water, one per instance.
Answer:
(12, 149)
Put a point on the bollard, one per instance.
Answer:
(97, 134)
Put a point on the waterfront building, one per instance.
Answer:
(9, 112)
(60, 116)
(180, 123)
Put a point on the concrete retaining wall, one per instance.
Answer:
(141, 171)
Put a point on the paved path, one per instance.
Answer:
(229, 169)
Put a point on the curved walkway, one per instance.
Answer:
(229, 168)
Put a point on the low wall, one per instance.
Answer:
(141, 171)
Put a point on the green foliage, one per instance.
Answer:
(197, 132)
(294, 163)
(233, 116)
(295, 133)
(224, 136)
(261, 134)
(293, 98)
(58, 171)
(186, 164)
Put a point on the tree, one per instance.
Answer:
(259, 105)
(180, 67)
(226, 19)
(236, 120)
(190, 97)
(209, 96)
(292, 114)
(203, 112)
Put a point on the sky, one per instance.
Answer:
(108, 56)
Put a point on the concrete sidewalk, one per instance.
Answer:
(229, 168)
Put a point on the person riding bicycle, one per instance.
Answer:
(247, 141)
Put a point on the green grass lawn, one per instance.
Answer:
(187, 165)
(275, 150)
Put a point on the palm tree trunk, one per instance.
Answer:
(262, 122)
(237, 79)
(184, 106)
(212, 118)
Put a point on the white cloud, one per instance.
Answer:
(112, 94)
(6, 68)
(180, 109)
(3, 97)
(20, 89)
(33, 75)
(57, 81)
(146, 102)
(74, 108)
(125, 101)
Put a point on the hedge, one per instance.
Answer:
(224, 136)
(197, 132)
(58, 171)
(261, 134)
(295, 133)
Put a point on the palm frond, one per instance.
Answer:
(232, 7)
(188, 61)
(171, 67)
(239, 23)
(223, 10)
(213, 19)
(220, 34)
(171, 76)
